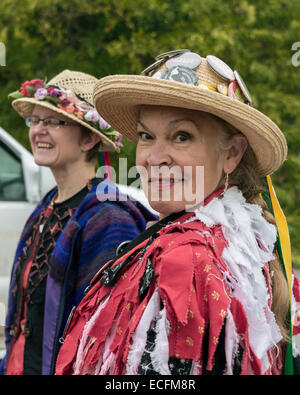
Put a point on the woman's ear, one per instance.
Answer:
(238, 146)
(89, 140)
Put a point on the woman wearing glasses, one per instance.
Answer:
(206, 289)
(71, 233)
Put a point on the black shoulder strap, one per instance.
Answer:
(152, 232)
(149, 232)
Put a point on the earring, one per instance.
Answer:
(226, 183)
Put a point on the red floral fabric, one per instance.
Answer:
(194, 286)
(296, 294)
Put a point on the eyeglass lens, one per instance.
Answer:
(35, 120)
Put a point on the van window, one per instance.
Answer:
(12, 186)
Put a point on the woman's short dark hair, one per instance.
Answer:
(91, 155)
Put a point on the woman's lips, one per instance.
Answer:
(164, 183)
(42, 145)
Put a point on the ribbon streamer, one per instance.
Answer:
(285, 255)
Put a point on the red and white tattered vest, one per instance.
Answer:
(196, 297)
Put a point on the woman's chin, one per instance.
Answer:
(42, 162)
(43, 157)
(167, 208)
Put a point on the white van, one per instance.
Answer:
(22, 184)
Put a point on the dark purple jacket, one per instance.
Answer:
(87, 242)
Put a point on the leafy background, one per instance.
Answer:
(104, 37)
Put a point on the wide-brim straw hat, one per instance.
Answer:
(82, 85)
(210, 86)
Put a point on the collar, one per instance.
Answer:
(217, 193)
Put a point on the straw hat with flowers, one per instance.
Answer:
(69, 93)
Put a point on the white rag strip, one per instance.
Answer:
(85, 335)
(243, 225)
(139, 340)
(160, 354)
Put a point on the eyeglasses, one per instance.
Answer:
(55, 123)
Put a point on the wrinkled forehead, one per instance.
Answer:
(45, 112)
(168, 113)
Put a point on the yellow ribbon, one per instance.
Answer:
(283, 232)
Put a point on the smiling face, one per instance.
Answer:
(178, 157)
(55, 147)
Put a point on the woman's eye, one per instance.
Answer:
(182, 136)
(143, 136)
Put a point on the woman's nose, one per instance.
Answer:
(39, 128)
(159, 155)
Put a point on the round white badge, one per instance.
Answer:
(220, 67)
(187, 59)
(243, 86)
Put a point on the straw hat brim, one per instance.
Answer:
(24, 106)
(118, 98)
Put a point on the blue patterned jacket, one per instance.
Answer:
(88, 241)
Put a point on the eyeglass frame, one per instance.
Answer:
(61, 122)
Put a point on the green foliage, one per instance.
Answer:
(104, 37)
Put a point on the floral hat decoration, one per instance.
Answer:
(69, 93)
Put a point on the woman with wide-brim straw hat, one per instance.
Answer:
(73, 231)
(206, 289)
